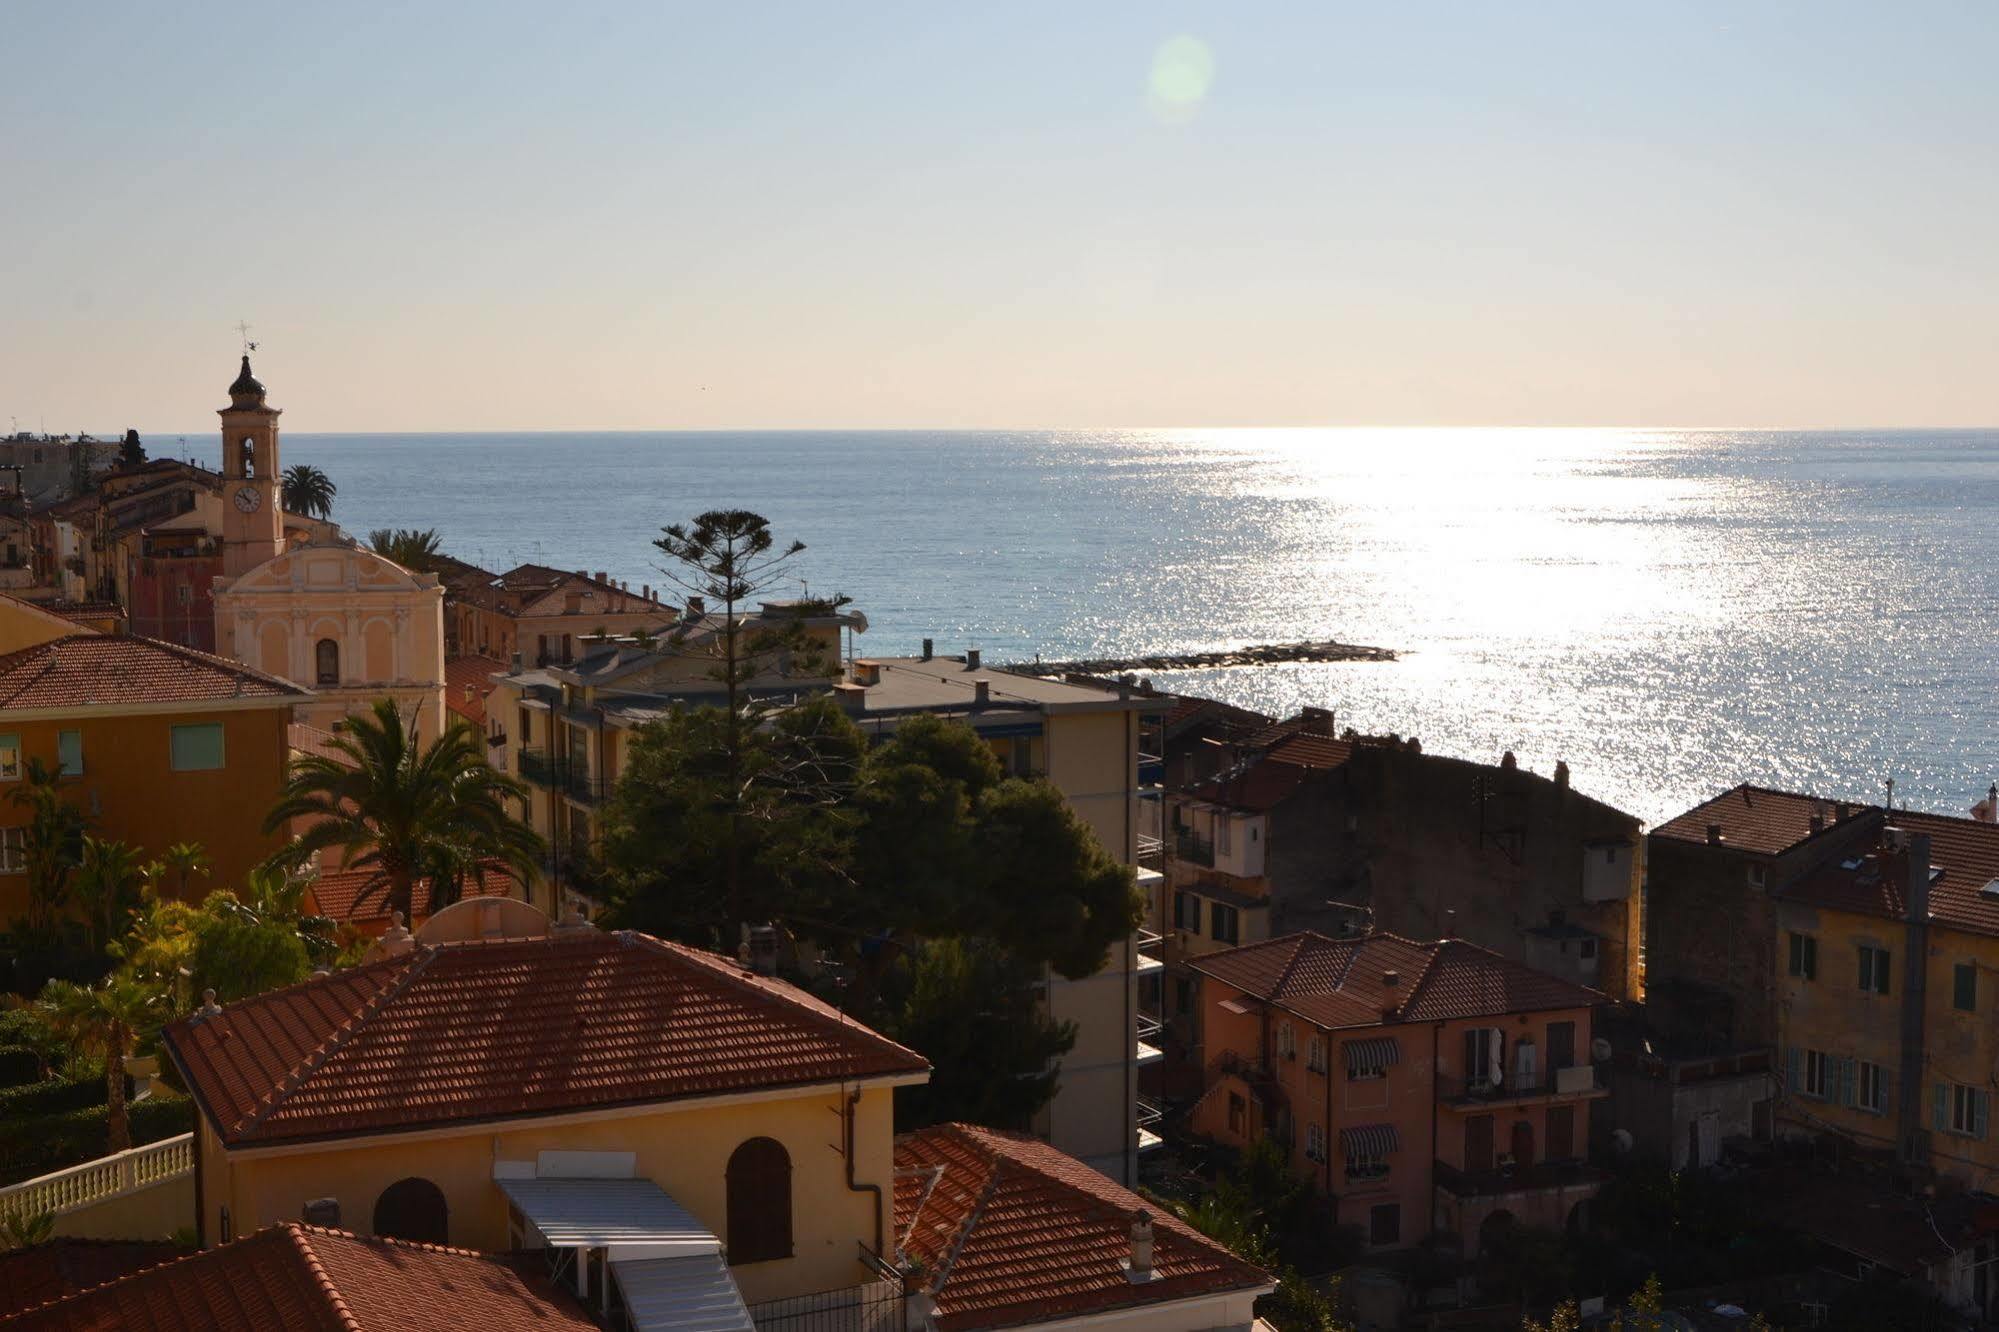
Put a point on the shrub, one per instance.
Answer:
(19, 1065)
(51, 1142)
(49, 1097)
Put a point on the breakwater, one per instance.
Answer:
(1255, 654)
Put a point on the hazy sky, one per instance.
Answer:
(544, 215)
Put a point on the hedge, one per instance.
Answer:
(50, 1097)
(19, 1065)
(51, 1142)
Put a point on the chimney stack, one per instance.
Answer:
(1714, 834)
(971, 659)
(1391, 994)
(1561, 775)
(982, 692)
(1451, 923)
(1507, 763)
(514, 662)
(321, 1212)
(1817, 822)
(1139, 1269)
(928, 649)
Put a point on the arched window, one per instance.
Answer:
(413, 1209)
(326, 656)
(247, 451)
(759, 1179)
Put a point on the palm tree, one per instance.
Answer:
(309, 491)
(108, 877)
(51, 842)
(399, 808)
(185, 860)
(416, 550)
(104, 1021)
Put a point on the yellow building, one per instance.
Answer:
(330, 613)
(154, 743)
(540, 1093)
(1887, 967)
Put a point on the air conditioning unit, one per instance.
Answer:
(1569, 1081)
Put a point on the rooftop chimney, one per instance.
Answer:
(1507, 763)
(603, 576)
(982, 692)
(763, 950)
(1714, 834)
(321, 1212)
(1561, 775)
(1139, 1269)
(928, 649)
(514, 662)
(971, 659)
(851, 696)
(1840, 811)
(1817, 822)
(1391, 993)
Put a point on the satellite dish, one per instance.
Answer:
(1621, 1141)
(1599, 1050)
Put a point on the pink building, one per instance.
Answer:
(1425, 1087)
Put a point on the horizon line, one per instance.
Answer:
(1046, 429)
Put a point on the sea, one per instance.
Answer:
(1669, 611)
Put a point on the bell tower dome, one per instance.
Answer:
(253, 520)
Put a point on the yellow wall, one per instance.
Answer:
(23, 626)
(684, 1151)
(1092, 759)
(132, 793)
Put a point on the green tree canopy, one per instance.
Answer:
(396, 807)
(51, 843)
(417, 550)
(104, 1021)
(308, 491)
(131, 453)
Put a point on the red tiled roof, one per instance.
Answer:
(1753, 819)
(591, 1020)
(303, 739)
(295, 1277)
(477, 672)
(1964, 850)
(1261, 786)
(64, 1266)
(1340, 982)
(86, 610)
(338, 893)
(1312, 751)
(84, 670)
(1011, 1231)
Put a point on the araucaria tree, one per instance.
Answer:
(309, 491)
(728, 557)
(399, 808)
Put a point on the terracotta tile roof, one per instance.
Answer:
(338, 894)
(302, 1277)
(1279, 731)
(86, 610)
(1753, 819)
(84, 670)
(1257, 787)
(1312, 751)
(1872, 881)
(593, 1019)
(303, 739)
(64, 1266)
(474, 672)
(1340, 982)
(1011, 1231)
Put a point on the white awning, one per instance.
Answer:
(624, 1214)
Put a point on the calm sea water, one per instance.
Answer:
(1670, 611)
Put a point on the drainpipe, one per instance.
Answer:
(1915, 948)
(1430, 1170)
(853, 1102)
(1326, 1044)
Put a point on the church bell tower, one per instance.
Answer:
(253, 520)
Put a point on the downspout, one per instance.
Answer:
(200, 1202)
(1326, 1044)
(853, 1101)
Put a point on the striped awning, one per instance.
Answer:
(1368, 1142)
(1372, 1055)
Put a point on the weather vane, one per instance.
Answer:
(244, 329)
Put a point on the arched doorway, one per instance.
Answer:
(413, 1209)
(1492, 1231)
(759, 1189)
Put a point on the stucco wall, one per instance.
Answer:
(157, 1211)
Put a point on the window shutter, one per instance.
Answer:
(758, 1182)
(1940, 1107)
(1881, 973)
(1794, 1071)
(1981, 1101)
(1847, 1077)
(1866, 972)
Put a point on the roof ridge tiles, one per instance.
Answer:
(994, 1166)
(413, 966)
(302, 1242)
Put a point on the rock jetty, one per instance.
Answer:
(1258, 654)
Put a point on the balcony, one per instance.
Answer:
(1575, 1083)
(1151, 769)
(541, 768)
(1503, 1181)
(1150, 949)
(1194, 849)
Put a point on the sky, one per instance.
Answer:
(545, 217)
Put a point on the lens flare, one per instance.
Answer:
(1183, 70)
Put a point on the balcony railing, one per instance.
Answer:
(1198, 850)
(1578, 1080)
(1151, 769)
(1505, 1179)
(107, 1177)
(541, 768)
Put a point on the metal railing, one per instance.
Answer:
(1575, 1080)
(107, 1177)
(876, 1307)
(1199, 850)
(1149, 1111)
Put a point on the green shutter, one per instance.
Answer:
(197, 748)
(1940, 1107)
(1794, 1069)
(1981, 1101)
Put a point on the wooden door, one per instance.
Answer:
(1478, 1142)
(1561, 1045)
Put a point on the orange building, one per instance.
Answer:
(1424, 1087)
(155, 743)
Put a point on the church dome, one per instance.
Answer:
(247, 387)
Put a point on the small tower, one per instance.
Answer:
(253, 520)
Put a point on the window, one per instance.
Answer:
(1804, 956)
(69, 753)
(1222, 926)
(1964, 987)
(1186, 912)
(326, 661)
(1287, 1041)
(1759, 877)
(1315, 1054)
(197, 748)
(1809, 1072)
(1873, 1091)
(1238, 1115)
(759, 1189)
(1384, 1224)
(1586, 949)
(13, 850)
(10, 758)
(1874, 969)
(527, 731)
(1485, 1057)
(1315, 1143)
(413, 1209)
(1960, 1110)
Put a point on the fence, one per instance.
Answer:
(106, 1177)
(877, 1307)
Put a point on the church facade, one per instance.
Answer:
(331, 616)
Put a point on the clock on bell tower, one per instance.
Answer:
(253, 520)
